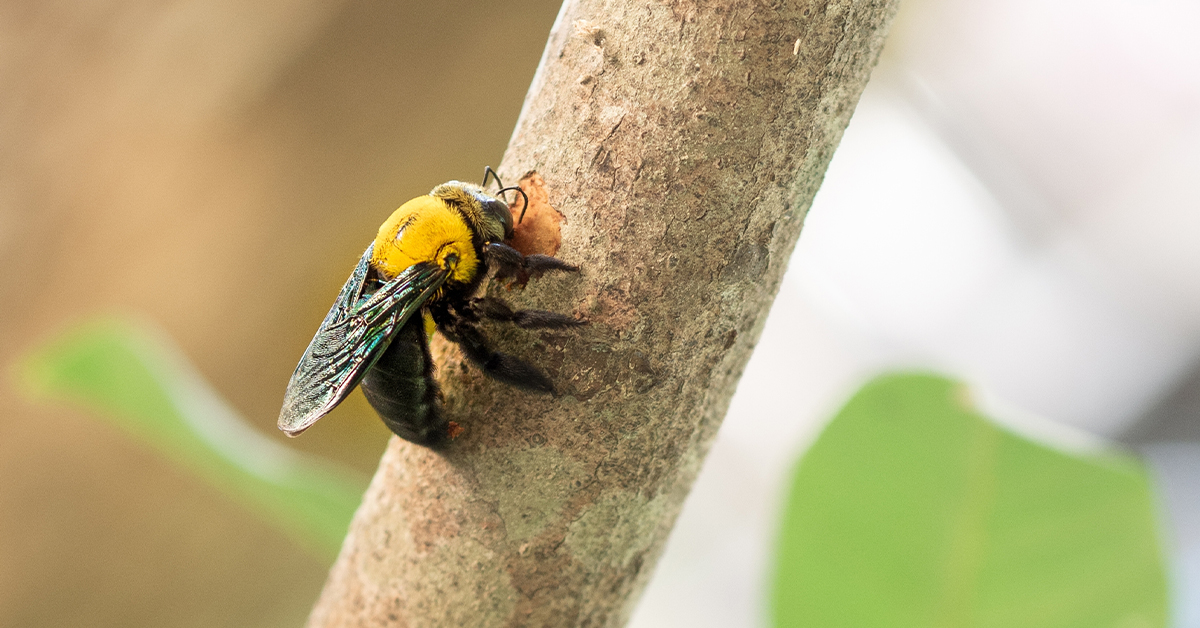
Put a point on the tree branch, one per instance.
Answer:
(683, 142)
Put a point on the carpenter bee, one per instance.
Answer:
(420, 275)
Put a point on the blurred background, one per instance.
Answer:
(1013, 205)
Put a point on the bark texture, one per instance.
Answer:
(682, 142)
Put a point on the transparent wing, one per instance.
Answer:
(353, 335)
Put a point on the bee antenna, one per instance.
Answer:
(488, 172)
(523, 195)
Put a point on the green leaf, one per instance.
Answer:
(139, 381)
(913, 510)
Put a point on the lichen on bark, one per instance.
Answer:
(682, 142)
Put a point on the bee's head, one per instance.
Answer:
(499, 207)
(497, 218)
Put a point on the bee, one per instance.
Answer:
(422, 274)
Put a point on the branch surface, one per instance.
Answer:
(682, 142)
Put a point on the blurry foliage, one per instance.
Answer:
(218, 168)
(136, 379)
(912, 509)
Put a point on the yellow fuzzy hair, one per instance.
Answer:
(425, 229)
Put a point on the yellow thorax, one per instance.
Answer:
(425, 229)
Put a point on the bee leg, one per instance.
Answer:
(497, 365)
(510, 264)
(497, 309)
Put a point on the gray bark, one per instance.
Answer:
(683, 143)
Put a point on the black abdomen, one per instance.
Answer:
(401, 388)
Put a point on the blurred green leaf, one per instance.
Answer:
(913, 510)
(139, 380)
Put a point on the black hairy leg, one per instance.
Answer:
(518, 269)
(495, 364)
(497, 309)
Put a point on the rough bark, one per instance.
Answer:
(683, 143)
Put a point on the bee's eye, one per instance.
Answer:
(499, 211)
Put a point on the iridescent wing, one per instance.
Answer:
(353, 335)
